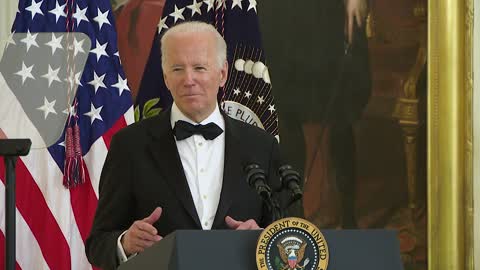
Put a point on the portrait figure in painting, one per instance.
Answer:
(349, 80)
(318, 60)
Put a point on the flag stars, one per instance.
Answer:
(47, 107)
(101, 18)
(220, 4)
(195, 7)
(260, 100)
(35, 8)
(162, 24)
(25, 72)
(100, 50)
(237, 3)
(117, 54)
(78, 46)
(30, 40)
(236, 91)
(55, 43)
(80, 15)
(52, 75)
(121, 85)
(252, 5)
(271, 108)
(94, 113)
(74, 79)
(210, 4)
(58, 11)
(9, 40)
(97, 81)
(177, 14)
(70, 111)
(248, 94)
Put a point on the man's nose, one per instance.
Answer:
(189, 78)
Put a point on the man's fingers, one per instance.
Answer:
(350, 27)
(146, 236)
(359, 17)
(144, 226)
(355, 13)
(240, 225)
(154, 216)
(140, 236)
(232, 223)
(248, 225)
(144, 244)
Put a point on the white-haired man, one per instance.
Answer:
(185, 168)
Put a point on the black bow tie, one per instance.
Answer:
(183, 130)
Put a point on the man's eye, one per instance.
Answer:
(200, 68)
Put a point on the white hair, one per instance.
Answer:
(191, 27)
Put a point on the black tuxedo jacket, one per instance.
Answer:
(143, 170)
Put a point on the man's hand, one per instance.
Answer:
(141, 234)
(241, 225)
(356, 12)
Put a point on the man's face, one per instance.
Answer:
(192, 73)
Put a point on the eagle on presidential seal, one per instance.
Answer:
(292, 251)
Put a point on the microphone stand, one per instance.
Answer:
(290, 181)
(11, 149)
(273, 207)
(257, 180)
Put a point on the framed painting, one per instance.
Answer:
(411, 150)
(450, 135)
(353, 112)
(476, 133)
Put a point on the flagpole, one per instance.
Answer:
(11, 149)
(10, 162)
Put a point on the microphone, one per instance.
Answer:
(290, 179)
(256, 179)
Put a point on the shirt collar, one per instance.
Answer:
(215, 117)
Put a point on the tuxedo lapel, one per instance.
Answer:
(164, 150)
(233, 169)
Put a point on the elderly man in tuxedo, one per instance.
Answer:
(183, 169)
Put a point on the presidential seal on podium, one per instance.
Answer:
(292, 244)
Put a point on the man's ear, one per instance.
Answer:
(224, 74)
(165, 79)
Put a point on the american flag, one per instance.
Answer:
(248, 93)
(53, 221)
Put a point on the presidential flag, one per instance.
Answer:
(247, 95)
(57, 187)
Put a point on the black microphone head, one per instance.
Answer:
(250, 166)
(284, 168)
(256, 179)
(287, 174)
(254, 174)
(290, 180)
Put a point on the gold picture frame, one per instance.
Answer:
(450, 136)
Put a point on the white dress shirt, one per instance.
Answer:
(203, 163)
